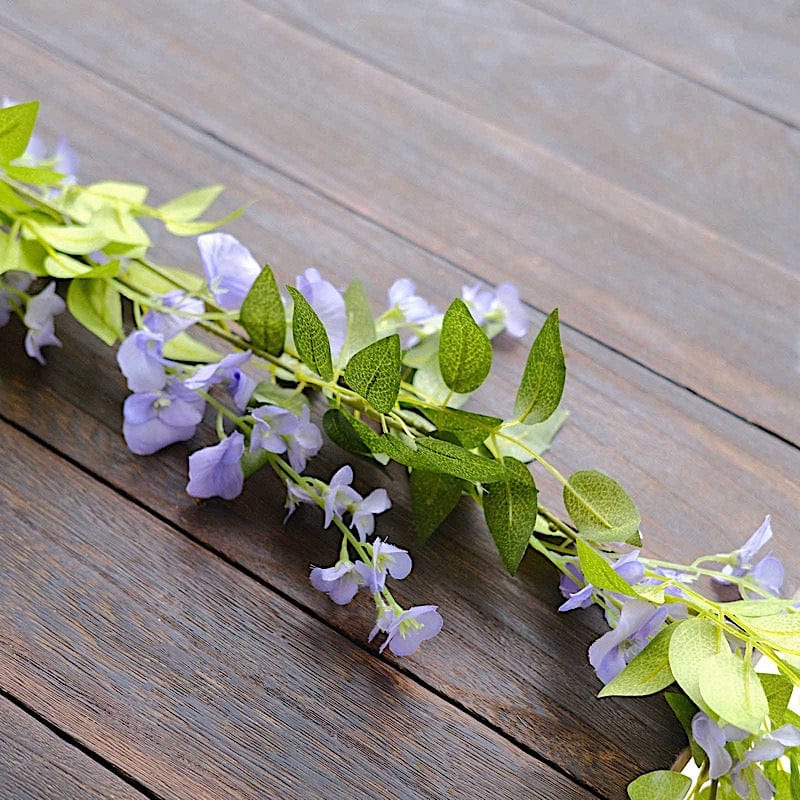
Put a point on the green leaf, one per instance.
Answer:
(766, 607)
(25, 255)
(465, 427)
(349, 433)
(310, 336)
(37, 176)
(360, 324)
(693, 641)
(648, 672)
(157, 280)
(510, 507)
(542, 382)
(465, 352)
(97, 305)
(601, 509)
(433, 497)
(428, 380)
(731, 689)
(74, 239)
(263, 315)
(64, 266)
(16, 126)
(10, 200)
(81, 203)
(781, 630)
(196, 228)
(184, 347)
(537, 438)
(684, 709)
(600, 573)
(794, 780)
(374, 373)
(778, 689)
(290, 399)
(188, 207)
(660, 785)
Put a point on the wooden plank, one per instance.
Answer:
(35, 763)
(748, 51)
(691, 467)
(591, 184)
(202, 683)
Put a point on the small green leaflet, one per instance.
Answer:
(465, 352)
(537, 438)
(433, 497)
(510, 507)
(75, 239)
(184, 347)
(263, 315)
(10, 200)
(37, 176)
(648, 672)
(25, 255)
(310, 337)
(542, 382)
(730, 687)
(16, 126)
(600, 573)
(360, 324)
(271, 393)
(693, 641)
(374, 373)
(465, 427)
(660, 785)
(684, 709)
(601, 509)
(64, 266)
(97, 305)
(188, 207)
(778, 689)
(192, 228)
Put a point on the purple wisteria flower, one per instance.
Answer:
(713, 739)
(340, 497)
(415, 310)
(385, 558)
(638, 623)
(38, 319)
(278, 430)
(141, 361)
(230, 268)
(340, 582)
(579, 593)
(767, 572)
(497, 310)
(153, 420)
(405, 632)
(217, 471)
(328, 303)
(169, 325)
(12, 280)
(240, 386)
(295, 496)
(767, 748)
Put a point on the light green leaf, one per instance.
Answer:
(81, 203)
(16, 126)
(752, 609)
(601, 509)
(433, 497)
(731, 689)
(465, 352)
(648, 672)
(25, 255)
(424, 352)
(542, 382)
(781, 630)
(693, 641)
(272, 394)
(428, 380)
(74, 239)
(158, 280)
(510, 507)
(196, 228)
(263, 315)
(660, 785)
(684, 709)
(184, 347)
(97, 305)
(64, 266)
(118, 225)
(537, 438)
(374, 373)
(188, 207)
(360, 324)
(10, 200)
(310, 337)
(129, 194)
(465, 427)
(36, 176)
(600, 573)
(778, 689)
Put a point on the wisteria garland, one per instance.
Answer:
(394, 387)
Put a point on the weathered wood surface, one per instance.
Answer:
(35, 764)
(700, 475)
(202, 683)
(639, 203)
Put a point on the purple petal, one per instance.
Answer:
(404, 639)
(711, 738)
(328, 302)
(149, 437)
(139, 358)
(768, 574)
(230, 268)
(216, 471)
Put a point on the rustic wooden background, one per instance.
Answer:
(635, 163)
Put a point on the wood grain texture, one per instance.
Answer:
(748, 51)
(702, 479)
(36, 765)
(587, 178)
(200, 682)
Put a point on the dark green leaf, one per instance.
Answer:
(660, 785)
(433, 497)
(543, 379)
(510, 507)
(601, 509)
(263, 315)
(16, 126)
(465, 352)
(684, 709)
(360, 324)
(349, 433)
(468, 429)
(310, 336)
(374, 373)
(97, 305)
(647, 673)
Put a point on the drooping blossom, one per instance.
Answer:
(767, 572)
(39, 314)
(228, 371)
(340, 582)
(12, 279)
(638, 622)
(415, 310)
(278, 430)
(497, 310)
(229, 266)
(363, 512)
(713, 739)
(386, 558)
(295, 496)
(579, 593)
(141, 361)
(328, 303)
(169, 325)
(216, 471)
(406, 631)
(153, 420)
(768, 747)
(340, 497)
